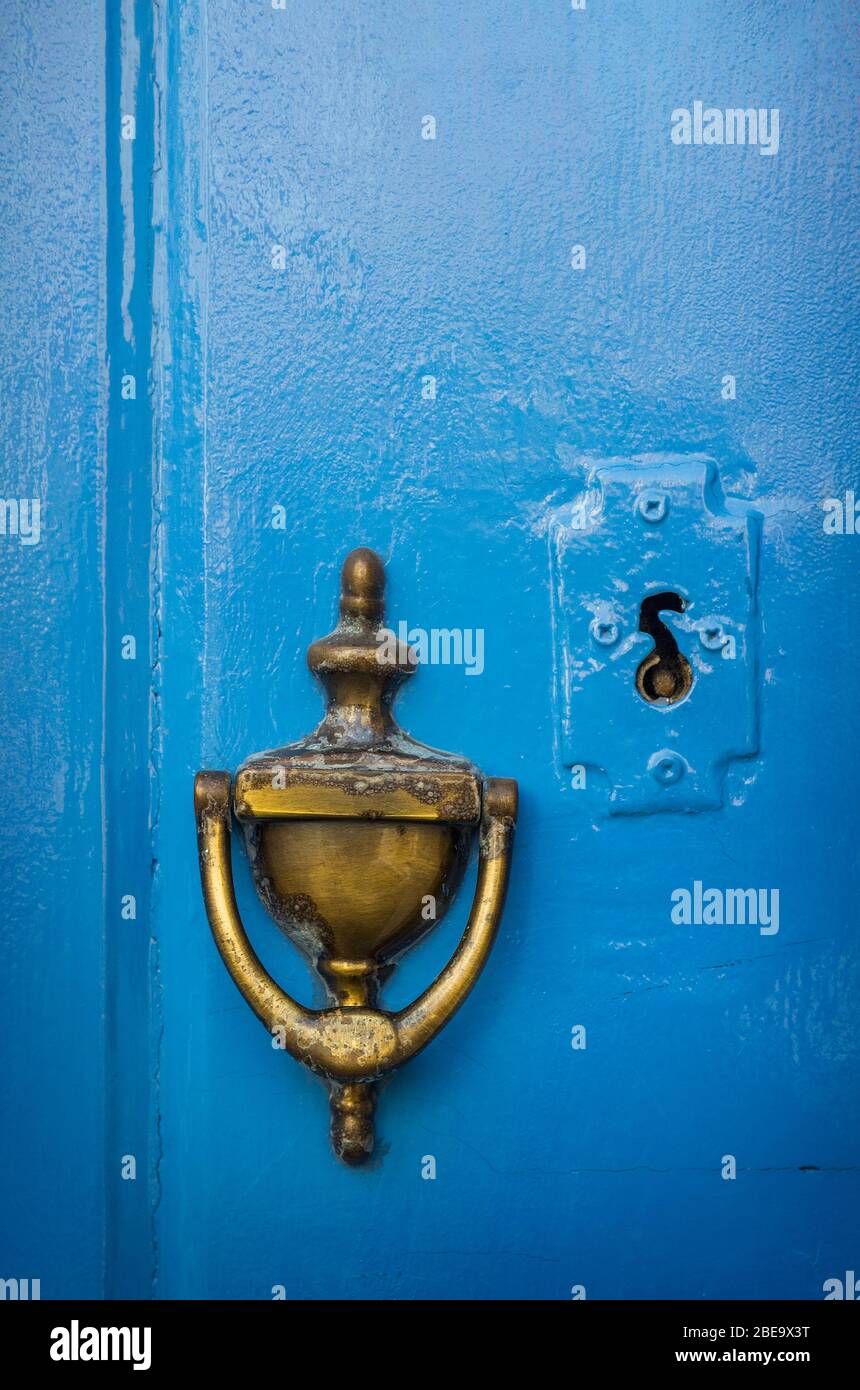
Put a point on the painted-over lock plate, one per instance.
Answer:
(642, 527)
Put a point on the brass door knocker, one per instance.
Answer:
(357, 838)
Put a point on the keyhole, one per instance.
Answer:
(665, 676)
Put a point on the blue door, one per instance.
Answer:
(552, 306)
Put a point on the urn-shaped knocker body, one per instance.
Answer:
(357, 838)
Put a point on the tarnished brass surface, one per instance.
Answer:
(359, 792)
(357, 838)
(356, 888)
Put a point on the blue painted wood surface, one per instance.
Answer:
(292, 138)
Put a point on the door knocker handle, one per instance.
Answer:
(357, 838)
